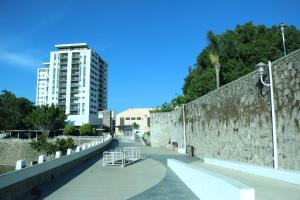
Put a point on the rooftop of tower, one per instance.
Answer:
(71, 46)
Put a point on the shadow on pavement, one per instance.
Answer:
(47, 188)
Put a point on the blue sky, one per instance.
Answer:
(148, 44)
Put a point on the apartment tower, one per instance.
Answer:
(76, 82)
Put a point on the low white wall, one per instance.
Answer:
(28, 172)
(210, 186)
(279, 174)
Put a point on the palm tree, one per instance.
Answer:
(214, 54)
(214, 59)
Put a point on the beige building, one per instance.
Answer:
(133, 119)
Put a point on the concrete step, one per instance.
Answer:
(265, 188)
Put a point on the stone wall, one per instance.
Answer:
(234, 122)
(12, 150)
(15, 149)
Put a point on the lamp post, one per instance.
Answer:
(282, 25)
(260, 66)
(184, 129)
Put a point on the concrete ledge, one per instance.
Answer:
(15, 184)
(207, 185)
(288, 176)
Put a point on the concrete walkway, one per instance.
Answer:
(149, 178)
(265, 188)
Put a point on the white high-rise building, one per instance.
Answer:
(77, 83)
(42, 85)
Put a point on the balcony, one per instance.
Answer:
(75, 79)
(62, 74)
(75, 62)
(62, 91)
(74, 99)
(61, 103)
(63, 56)
(75, 73)
(74, 112)
(74, 85)
(74, 91)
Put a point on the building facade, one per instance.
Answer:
(125, 121)
(42, 85)
(77, 83)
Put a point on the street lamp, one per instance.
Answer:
(282, 25)
(260, 69)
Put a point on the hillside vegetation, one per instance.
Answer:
(231, 55)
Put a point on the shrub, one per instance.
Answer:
(64, 144)
(70, 130)
(135, 125)
(41, 144)
(86, 129)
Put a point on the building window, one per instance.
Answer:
(122, 121)
(132, 118)
(127, 118)
(139, 118)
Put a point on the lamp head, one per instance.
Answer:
(282, 25)
(260, 68)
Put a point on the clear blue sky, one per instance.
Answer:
(148, 44)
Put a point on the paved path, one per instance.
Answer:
(149, 178)
(265, 188)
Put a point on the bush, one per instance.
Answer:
(70, 130)
(135, 126)
(86, 129)
(42, 145)
(64, 144)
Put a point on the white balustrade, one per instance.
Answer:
(20, 164)
(42, 159)
(57, 154)
(77, 148)
(69, 151)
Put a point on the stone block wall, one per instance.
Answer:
(12, 150)
(234, 122)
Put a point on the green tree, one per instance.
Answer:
(86, 129)
(70, 130)
(165, 107)
(238, 51)
(13, 110)
(214, 55)
(42, 145)
(135, 125)
(46, 118)
(64, 144)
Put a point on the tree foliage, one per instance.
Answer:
(13, 110)
(70, 130)
(166, 107)
(86, 129)
(231, 55)
(238, 51)
(42, 145)
(135, 125)
(46, 118)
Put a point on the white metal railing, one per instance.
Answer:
(121, 158)
(132, 153)
(113, 158)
